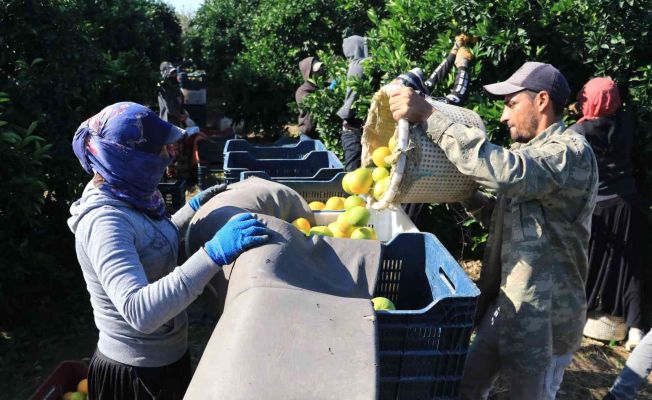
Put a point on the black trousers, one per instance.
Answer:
(111, 380)
(352, 148)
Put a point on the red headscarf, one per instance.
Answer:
(599, 98)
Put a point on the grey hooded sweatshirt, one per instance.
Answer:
(355, 50)
(138, 293)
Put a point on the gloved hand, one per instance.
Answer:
(242, 232)
(332, 85)
(192, 130)
(463, 58)
(202, 197)
(460, 40)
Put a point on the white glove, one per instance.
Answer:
(192, 130)
(189, 122)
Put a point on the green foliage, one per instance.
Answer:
(583, 38)
(62, 62)
(253, 50)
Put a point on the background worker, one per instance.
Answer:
(533, 305)
(613, 285)
(355, 50)
(170, 97)
(309, 67)
(128, 249)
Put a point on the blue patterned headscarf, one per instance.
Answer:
(123, 143)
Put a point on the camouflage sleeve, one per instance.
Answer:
(480, 206)
(528, 172)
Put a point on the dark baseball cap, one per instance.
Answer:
(534, 76)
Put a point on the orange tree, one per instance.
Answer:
(60, 63)
(583, 38)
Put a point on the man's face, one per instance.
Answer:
(520, 116)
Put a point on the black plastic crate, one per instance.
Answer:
(174, 194)
(210, 151)
(297, 151)
(318, 165)
(423, 344)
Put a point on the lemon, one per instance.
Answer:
(379, 173)
(392, 144)
(357, 216)
(378, 156)
(316, 205)
(334, 204)
(321, 231)
(365, 233)
(383, 304)
(301, 224)
(360, 181)
(353, 201)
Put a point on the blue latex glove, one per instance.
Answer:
(202, 197)
(332, 85)
(239, 234)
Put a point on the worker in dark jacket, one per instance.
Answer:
(355, 50)
(170, 97)
(309, 67)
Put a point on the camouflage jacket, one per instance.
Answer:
(535, 261)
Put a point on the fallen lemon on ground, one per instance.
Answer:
(316, 205)
(378, 156)
(301, 224)
(383, 304)
(74, 396)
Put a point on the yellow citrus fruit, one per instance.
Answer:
(357, 216)
(381, 187)
(344, 225)
(82, 386)
(353, 201)
(360, 181)
(379, 156)
(335, 204)
(316, 205)
(321, 231)
(301, 224)
(379, 173)
(364, 233)
(345, 183)
(383, 304)
(336, 231)
(67, 396)
(392, 144)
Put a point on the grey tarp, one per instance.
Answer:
(297, 321)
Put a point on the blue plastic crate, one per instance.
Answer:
(318, 165)
(423, 344)
(310, 190)
(174, 195)
(210, 151)
(291, 141)
(296, 151)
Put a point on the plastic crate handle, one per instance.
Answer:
(447, 280)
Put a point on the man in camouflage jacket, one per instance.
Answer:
(533, 305)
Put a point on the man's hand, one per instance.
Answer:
(406, 103)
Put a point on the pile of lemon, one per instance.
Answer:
(80, 394)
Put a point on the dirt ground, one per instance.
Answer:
(595, 366)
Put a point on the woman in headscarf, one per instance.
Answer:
(613, 282)
(127, 249)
